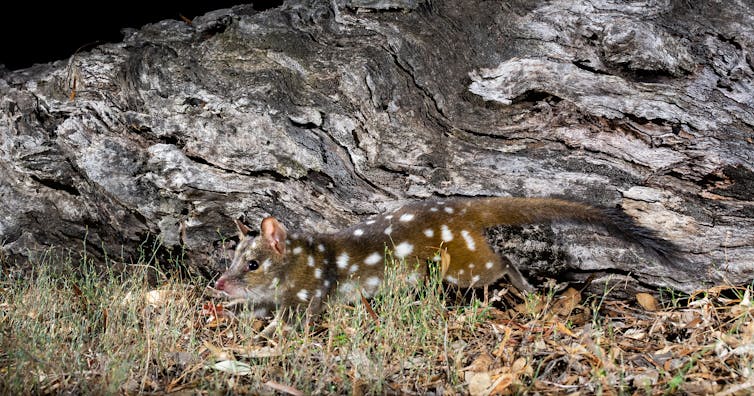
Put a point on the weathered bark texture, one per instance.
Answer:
(320, 112)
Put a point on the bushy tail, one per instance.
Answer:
(618, 222)
(522, 211)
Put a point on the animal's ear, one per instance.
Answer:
(242, 229)
(274, 233)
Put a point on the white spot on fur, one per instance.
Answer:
(433, 209)
(326, 283)
(469, 240)
(388, 217)
(370, 222)
(348, 291)
(429, 233)
(342, 260)
(451, 279)
(321, 247)
(406, 217)
(448, 210)
(403, 249)
(353, 268)
(373, 259)
(358, 232)
(489, 265)
(318, 273)
(318, 293)
(389, 230)
(446, 234)
(260, 312)
(461, 272)
(310, 261)
(471, 265)
(266, 264)
(373, 281)
(303, 295)
(297, 250)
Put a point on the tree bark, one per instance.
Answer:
(322, 112)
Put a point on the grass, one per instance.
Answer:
(68, 328)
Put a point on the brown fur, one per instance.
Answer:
(305, 271)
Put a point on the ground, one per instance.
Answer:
(78, 331)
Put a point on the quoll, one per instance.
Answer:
(276, 270)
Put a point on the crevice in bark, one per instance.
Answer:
(407, 72)
(584, 66)
(56, 185)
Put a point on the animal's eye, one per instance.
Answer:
(253, 265)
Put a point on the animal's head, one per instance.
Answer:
(258, 264)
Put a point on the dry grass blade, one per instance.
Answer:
(369, 309)
(444, 261)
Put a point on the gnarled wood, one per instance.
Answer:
(320, 112)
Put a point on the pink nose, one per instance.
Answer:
(220, 284)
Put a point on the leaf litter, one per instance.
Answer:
(570, 344)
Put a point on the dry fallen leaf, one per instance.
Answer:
(233, 367)
(284, 388)
(480, 364)
(520, 366)
(647, 301)
(646, 379)
(479, 383)
(635, 334)
(705, 388)
(501, 349)
(501, 384)
(567, 302)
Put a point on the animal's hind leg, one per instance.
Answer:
(514, 275)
